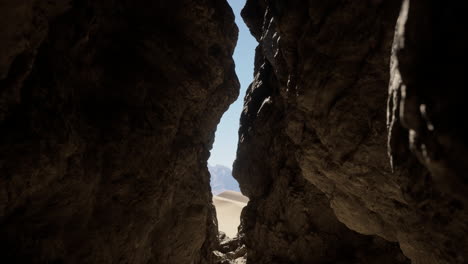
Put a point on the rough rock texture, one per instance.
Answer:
(107, 114)
(230, 250)
(315, 147)
(426, 102)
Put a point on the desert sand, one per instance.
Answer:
(229, 206)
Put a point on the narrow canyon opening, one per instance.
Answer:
(352, 147)
(227, 197)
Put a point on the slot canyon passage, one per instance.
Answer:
(352, 145)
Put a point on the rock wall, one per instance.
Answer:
(107, 114)
(317, 144)
(352, 143)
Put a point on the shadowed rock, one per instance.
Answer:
(107, 113)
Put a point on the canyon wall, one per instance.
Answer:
(352, 144)
(107, 114)
(353, 123)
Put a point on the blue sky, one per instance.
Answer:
(225, 145)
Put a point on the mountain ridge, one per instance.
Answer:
(222, 180)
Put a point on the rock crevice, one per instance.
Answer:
(352, 146)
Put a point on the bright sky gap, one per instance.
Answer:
(225, 145)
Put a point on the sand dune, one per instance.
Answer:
(229, 206)
(235, 196)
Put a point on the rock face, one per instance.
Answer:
(317, 145)
(230, 251)
(107, 114)
(425, 103)
(352, 143)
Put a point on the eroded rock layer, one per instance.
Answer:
(107, 114)
(317, 146)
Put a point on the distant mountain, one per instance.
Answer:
(222, 180)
